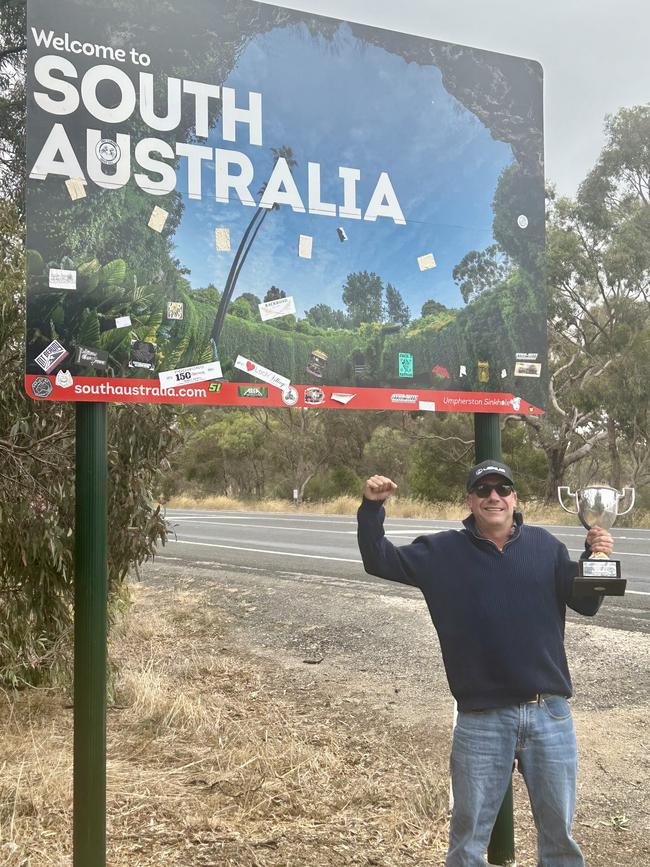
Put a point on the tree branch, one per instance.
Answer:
(415, 436)
(15, 49)
(584, 450)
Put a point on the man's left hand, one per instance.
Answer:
(600, 541)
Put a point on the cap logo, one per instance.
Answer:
(490, 470)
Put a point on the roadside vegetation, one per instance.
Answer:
(217, 757)
(535, 511)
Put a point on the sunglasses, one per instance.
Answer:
(484, 490)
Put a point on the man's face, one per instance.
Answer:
(494, 512)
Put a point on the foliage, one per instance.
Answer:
(432, 308)
(324, 316)
(228, 455)
(388, 452)
(37, 438)
(598, 266)
(110, 223)
(274, 294)
(252, 300)
(362, 295)
(442, 448)
(513, 198)
(395, 309)
(478, 271)
(86, 317)
(12, 102)
(327, 454)
(241, 309)
(527, 460)
(288, 353)
(299, 446)
(336, 482)
(37, 492)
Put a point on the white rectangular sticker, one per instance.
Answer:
(525, 356)
(427, 261)
(122, 321)
(528, 368)
(186, 375)
(341, 397)
(427, 405)
(278, 307)
(222, 240)
(158, 219)
(262, 373)
(305, 246)
(59, 278)
(76, 188)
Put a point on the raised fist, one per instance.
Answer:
(379, 488)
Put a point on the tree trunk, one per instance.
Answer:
(301, 489)
(614, 455)
(555, 475)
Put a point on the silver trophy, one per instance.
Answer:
(598, 506)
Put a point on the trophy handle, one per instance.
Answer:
(560, 492)
(632, 494)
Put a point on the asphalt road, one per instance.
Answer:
(325, 546)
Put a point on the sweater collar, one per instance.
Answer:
(470, 524)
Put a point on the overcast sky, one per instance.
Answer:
(594, 52)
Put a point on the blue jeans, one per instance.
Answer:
(540, 735)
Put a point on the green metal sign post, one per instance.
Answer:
(91, 518)
(501, 848)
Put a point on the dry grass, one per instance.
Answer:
(217, 758)
(535, 511)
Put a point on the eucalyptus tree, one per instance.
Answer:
(598, 269)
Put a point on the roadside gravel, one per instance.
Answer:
(374, 647)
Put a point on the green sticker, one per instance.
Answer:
(405, 364)
(252, 390)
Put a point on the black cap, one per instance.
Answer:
(487, 468)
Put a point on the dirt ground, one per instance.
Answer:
(264, 719)
(373, 649)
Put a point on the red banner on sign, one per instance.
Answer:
(91, 388)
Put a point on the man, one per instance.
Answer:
(497, 593)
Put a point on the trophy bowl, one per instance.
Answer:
(598, 506)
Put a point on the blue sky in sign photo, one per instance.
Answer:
(343, 102)
(594, 54)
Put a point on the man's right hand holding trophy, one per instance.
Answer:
(597, 508)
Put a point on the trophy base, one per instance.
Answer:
(602, 586)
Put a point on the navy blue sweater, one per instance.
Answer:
(499, 615)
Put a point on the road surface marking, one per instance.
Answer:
(262, 551)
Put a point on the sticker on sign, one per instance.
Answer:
(186, 375)
(51, 356)
(61, 278)
(262, 373)
(277, 307)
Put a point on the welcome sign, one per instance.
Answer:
(218, 181)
